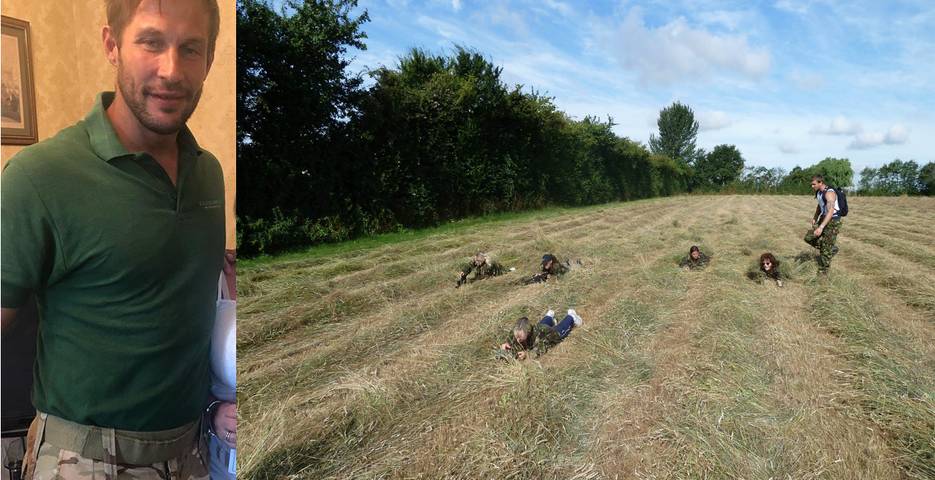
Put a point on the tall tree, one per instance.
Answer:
(294, 98)
(894, 178)
(927, 178)
(677, 132)
(868, 180)
(720, 167)
(837, 171)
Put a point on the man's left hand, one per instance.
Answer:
(521, 355)
(818, 231)
(225, 423)
(230, 271)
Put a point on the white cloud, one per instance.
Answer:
(444, 29)
(866, 140)
(558, 6)
(840, 125)
(800, 8)
(715, 120)
(731, 20)
(788, 148)
(896, 135)
(496, 13)
(456, 4)
(677, 52)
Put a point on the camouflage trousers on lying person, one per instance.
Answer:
(825, 243)
(53, 462)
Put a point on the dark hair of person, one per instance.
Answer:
(771, 258)
(819, 178)
(694, 249)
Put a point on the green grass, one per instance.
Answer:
(898, 394)
(327, 251)
(362, 361)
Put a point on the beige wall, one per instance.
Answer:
(70, 69)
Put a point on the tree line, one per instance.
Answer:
(898, 178)
(433, 138)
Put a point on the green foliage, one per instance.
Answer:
(668, 176)
(894, 178)
(294, 100)
(760, 180)
(677, 132)
(435, 138)
(720, 167)
(837, 173)
(927, 178)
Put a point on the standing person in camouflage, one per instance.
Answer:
(826, 224)
(695, 259)
(482, 266)
(539, 338)
(116, 225)
(551, 267)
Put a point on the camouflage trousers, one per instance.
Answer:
(824, 243)
(51, 462)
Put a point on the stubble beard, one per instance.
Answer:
(135, 97)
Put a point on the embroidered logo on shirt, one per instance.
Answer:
(206, 204)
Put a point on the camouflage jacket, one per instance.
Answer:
(486, 270)
(761, 275)
(693, 264)
(774, 273)
(540, 340)
(557, 268)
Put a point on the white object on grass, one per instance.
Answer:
(224, 345)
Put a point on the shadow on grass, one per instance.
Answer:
(805, 256)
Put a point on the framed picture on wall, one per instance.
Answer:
(18, 89)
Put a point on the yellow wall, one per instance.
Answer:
(70, 69)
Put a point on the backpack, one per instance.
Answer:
(842, 201)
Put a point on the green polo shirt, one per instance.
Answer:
(125, 269)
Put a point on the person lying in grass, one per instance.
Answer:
(768, 269)
(483, 267)
(539, 338)
(551, 268)
(695, 259)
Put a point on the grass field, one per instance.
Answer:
(368, 363)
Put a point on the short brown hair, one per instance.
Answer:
(819, 178)
(120, 12)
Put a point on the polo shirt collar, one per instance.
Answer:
(104, 140)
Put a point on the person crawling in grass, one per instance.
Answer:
(695, 259)
(539, 338)
(551, 268)
(769, 268)
(482, 266)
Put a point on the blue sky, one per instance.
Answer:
(788, 82)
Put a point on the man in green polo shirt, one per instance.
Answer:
(116, 224)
